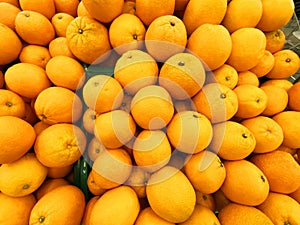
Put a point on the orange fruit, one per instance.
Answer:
(22, 176)
(8, 13)
(48, 185)
(88, 120)
(277, 100)
(58, 105)
(245, 183)
(59, 46)
(34, 28)
(206, 200)
(189, 132)
(126, 32)
(11, 104)
(182, 75)
(175, 205)
(225, 75)
(116, 206)
(35, 54)
(81, 10)
(66, 6)
(30, 115)
(45, 7)
(88, 209)
(267, 133)
(282, 83)
(40, 126)
(63, 205)
(252, 101)
(211, 43)
(103, 10)
(282, 178)
(135, 69)
(147, 217)
(247, 77)
(264, 65)
(93, 38)
(276, 14)
(217, 102)
(64, 71)
(152, 107)
(13, 2)
(206, 166)
(232, 140)
(60, 22)
(11, 45)
(148, 10)
(95, 147)
(151, 150)
(281, 209)
(247, 215)
(296, 195)
(293, 97)
(12, 215)
(289, 122)
(205, 12)
(93, 187)
(17, 138)
(286, 64)
(59, 172)
(60, 145)
(165, 36)
(251, 12)
(275, 40)
(251, 39)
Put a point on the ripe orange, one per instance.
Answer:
(8, 13)
(60, 22)
(281, 83)
(88, 120)
(59, 46)
(44, 7)
(93, 187)
(88, 209)
(225, 75)
(275, 40)
(48, 185)
(30, 115)
(147, 217)
(206, 200)
(81, 10)
(35, 54)
(247, 77)
(264, 65)
(95, 147)
(66, 6)
(294, 97)
(40, 126)
(11, 104)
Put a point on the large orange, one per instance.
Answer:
(45, 7)
(8, 13)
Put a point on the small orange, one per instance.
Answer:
(8, 13)
(281, 83)
(95, 147)
(93, 187)
(225, 75)
(59, 46)
(264, 65)
(66, 6)
(294, 97)
(60, 22)
(35, 54)
(11, 104)
(147, 217)
(275, 40)
(49, 185)
(247, 77)
(88, 120)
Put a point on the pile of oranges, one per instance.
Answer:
(197, 125)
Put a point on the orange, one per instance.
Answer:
(8, 13)
(289, 122)
(66, 6)
(34, 28)
(225, 75)
(282, 83)
(267, 133)
(64, 71)
(22, 176)
(81, 10)
(247, 77)
(104, 10)
(175, 205)
(60, 22)
(44, 7)
(275, 40)
(282, 178)
(211, 43)
(11, 45)
(95, 148)
(17, 138)
(116, 206)
(276, 14)
(88, 120)
(281, 209)
(48, 185)
(277, 100)
(182, 75)
(30, 115)
(245, 183)
(252, 101)
(294, 97)
(13, 2)
(126, 32)
(59, 172)
(264, 65)
(165, 36)
(88, 209)
(251, 12)
(247, 215)
(58, 105)
(11, 104)
(147, 217)
(189, 132)
(151, 150)
(205, 12)
(12, 215)
(286, 64)
(60, 145)
(63, 205)
(296, 195)
(35, 54)
(152, 107)
(40, 126)
(217, 102)
(149, 10)
(251, 39)
(93, 187)
(206, 200)
(59, 46)
(135, 69)
(93, 38)
(232, 140)
(205, 166)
